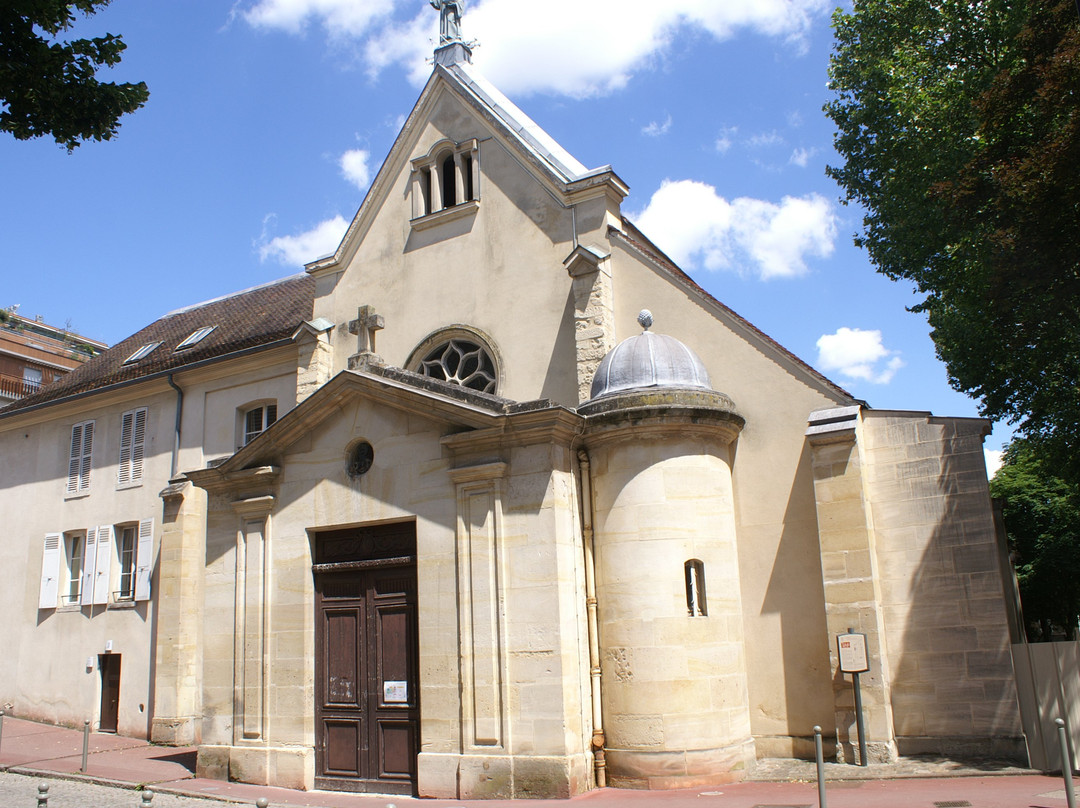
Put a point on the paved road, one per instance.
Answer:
(21, 791)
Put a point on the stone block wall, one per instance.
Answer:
(946, 630)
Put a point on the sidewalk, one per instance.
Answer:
(44, 751)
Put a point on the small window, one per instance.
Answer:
(445, 178)
(74, 547)
(125, 550)
(696, 603)
(142, 353)
(258, 420)
(195, 337)
(80, 457)
(32, 380)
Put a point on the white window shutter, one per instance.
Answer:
(126, 430)
(86, 593)
(87, 454)
(144, 559)
(50, 571)
(75, 458)
(102, 565)
(137, 441)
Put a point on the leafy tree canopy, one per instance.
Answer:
(959, 124)
(48, 86)
(1042, 518)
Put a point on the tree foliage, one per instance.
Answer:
(959, 124)
(48, 86)
(1042, 518)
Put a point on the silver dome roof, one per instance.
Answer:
(646, 361)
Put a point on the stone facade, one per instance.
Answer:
(641, 589)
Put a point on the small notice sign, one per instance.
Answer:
(852, 650)
(395, 692)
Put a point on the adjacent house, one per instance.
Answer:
(495, 501)
(33, 354)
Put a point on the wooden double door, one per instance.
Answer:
(367, 685)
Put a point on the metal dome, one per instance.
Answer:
(647, 361)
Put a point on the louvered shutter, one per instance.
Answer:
(103, 564)
(50, 571)
(144, 559)
(126, 430)
(137, 441)
(87, 454)
(86, 591)
(75, 458)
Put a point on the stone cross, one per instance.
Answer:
(365, 325)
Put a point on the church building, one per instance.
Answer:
(495, 501)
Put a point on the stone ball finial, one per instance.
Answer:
(645, 319)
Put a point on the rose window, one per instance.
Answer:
(461, 362)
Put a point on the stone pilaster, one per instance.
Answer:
(594, 312)
(315, 360)
(177, 708)
(851, 579)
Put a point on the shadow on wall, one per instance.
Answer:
(953, 691)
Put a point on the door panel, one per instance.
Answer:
(367, 699)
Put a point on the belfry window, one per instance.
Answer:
(446, 179)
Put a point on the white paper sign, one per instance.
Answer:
(852, 649)
(395, 692)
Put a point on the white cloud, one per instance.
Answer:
(355, 168)
(724, 139)
(801, 157)
(584, 47)
(656, 129)
(340, 18)
(693, 224)
(858, 354)
(765, 139)
(994, 458)
(322, 239)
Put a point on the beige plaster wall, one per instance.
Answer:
(942, 596)
(780, 570)
(43, 671)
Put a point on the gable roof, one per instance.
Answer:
(252, 319)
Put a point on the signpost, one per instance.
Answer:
(851, 648)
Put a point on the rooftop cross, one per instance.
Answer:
(450, 20)
(365, 325)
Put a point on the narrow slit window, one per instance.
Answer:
(696, 603)
(449, 182)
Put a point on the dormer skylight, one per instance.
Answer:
(142, 353)
(195, 337)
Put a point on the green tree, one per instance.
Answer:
(1042, 518)
(959, 125)
(48, 86)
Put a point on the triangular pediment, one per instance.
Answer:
(496, 117)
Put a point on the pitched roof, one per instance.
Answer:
(251, 319)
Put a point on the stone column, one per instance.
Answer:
(594, 312)
(177, 708)
(852, 583)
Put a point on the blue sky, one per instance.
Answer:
(266, 120)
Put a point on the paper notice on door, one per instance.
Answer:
(395, 692)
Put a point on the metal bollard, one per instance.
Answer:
(43, 795)
(85, 744)
(1066, 764)
(147, 797)
(1, 727)
(820, 758)
(262, 802)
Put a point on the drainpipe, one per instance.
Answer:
(593, 622)
(176, 432)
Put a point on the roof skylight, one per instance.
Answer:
(195, 337)
(142, 353)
